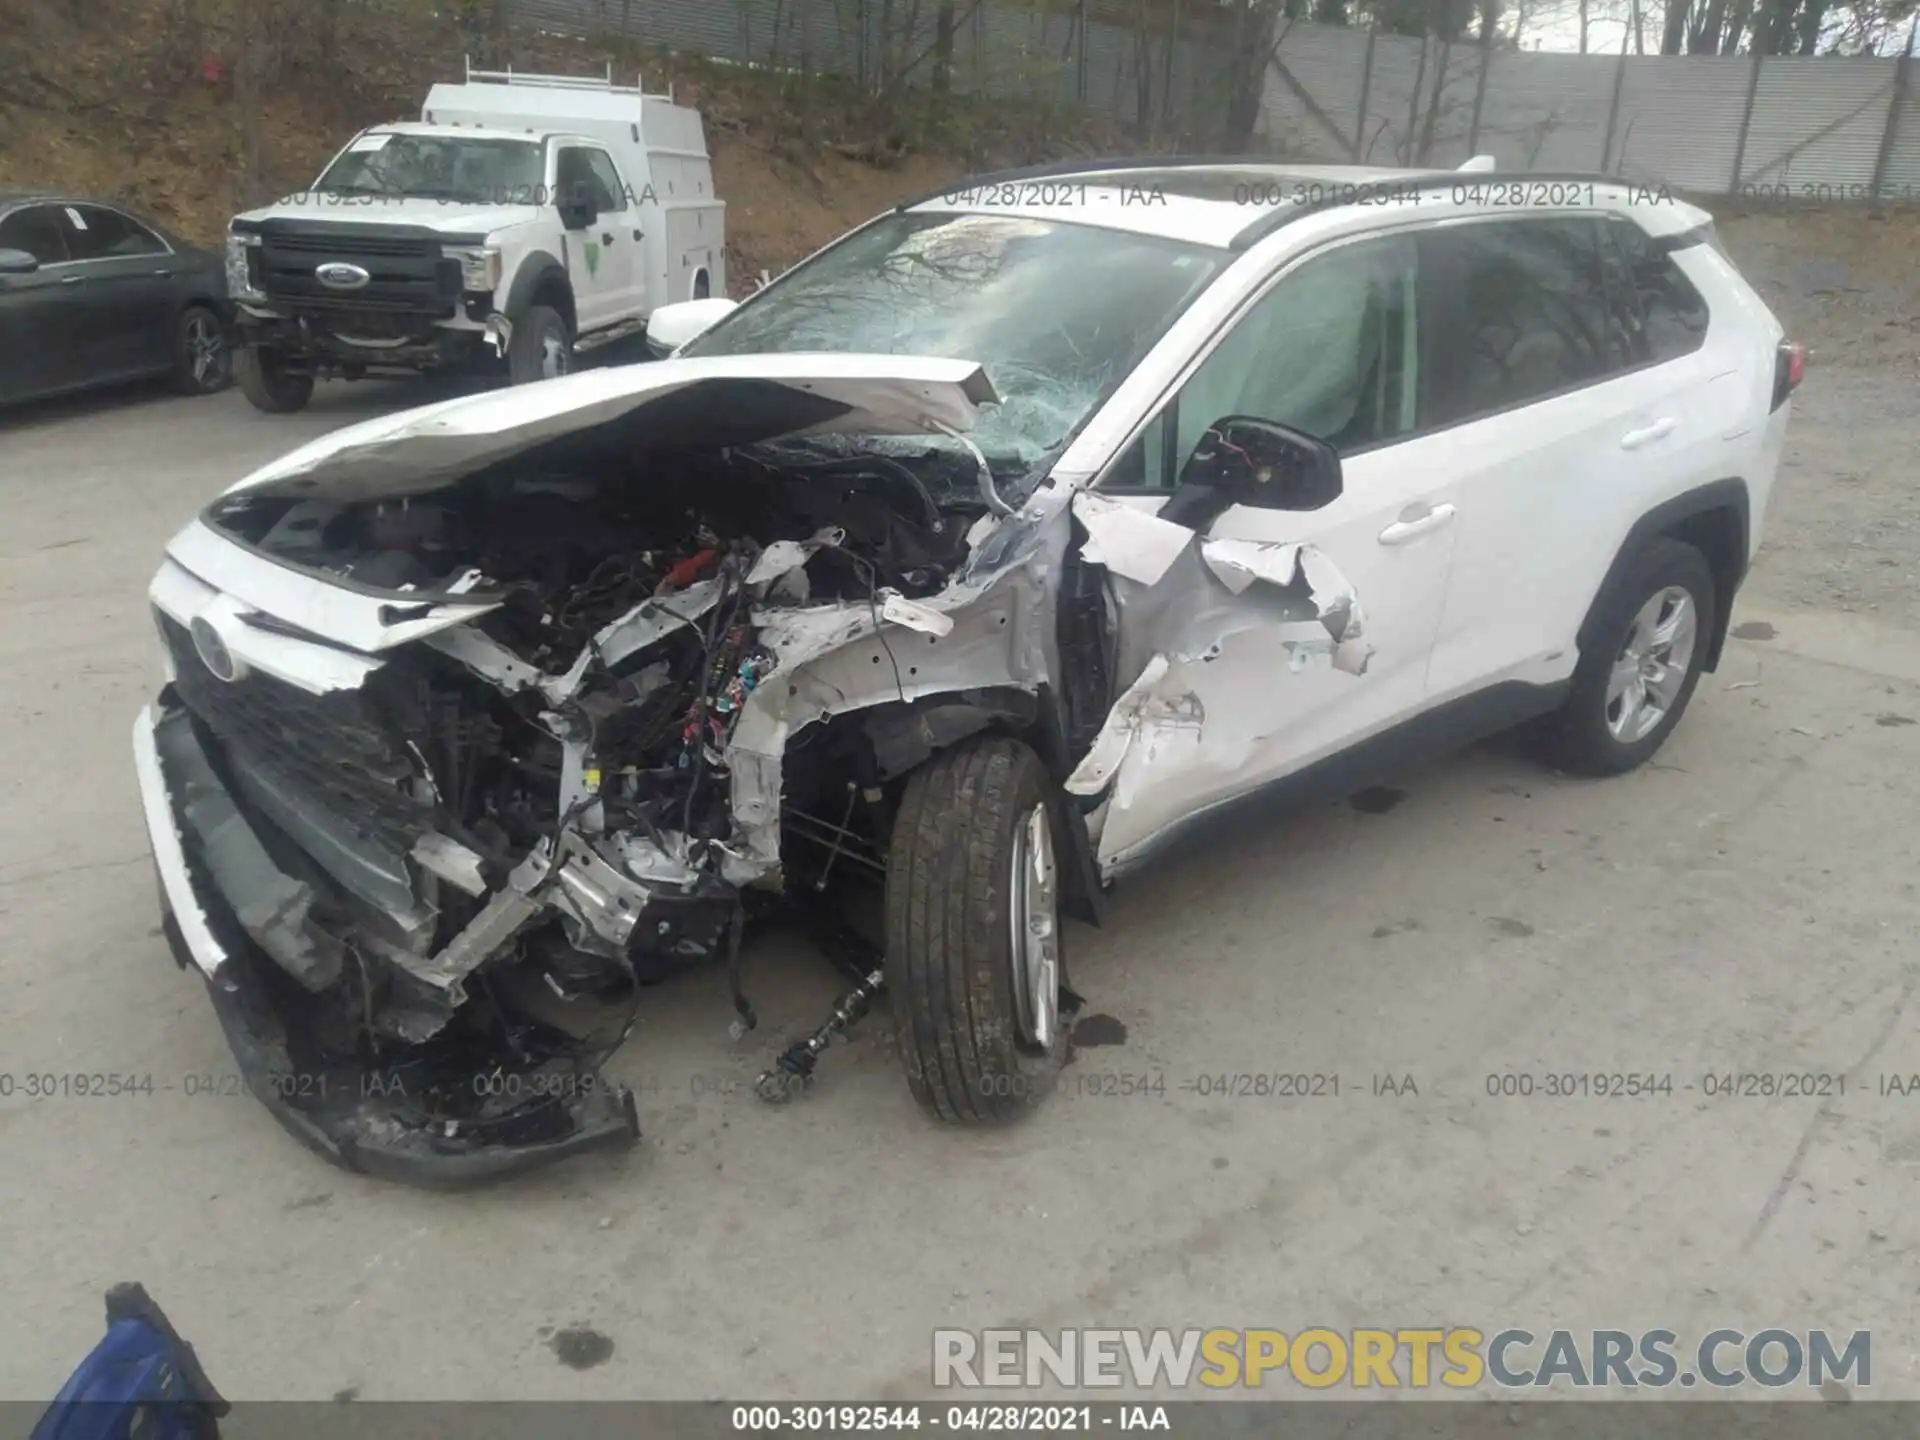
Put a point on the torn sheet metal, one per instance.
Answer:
(1219, 635)
(1124, 721)
(1130, 543)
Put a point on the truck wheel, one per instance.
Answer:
(1631, 688)
(973, 932)
(269, 384)
(541, 349)
(202, 358)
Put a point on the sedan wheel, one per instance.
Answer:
(203, 360)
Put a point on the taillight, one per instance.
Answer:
(1789, 368)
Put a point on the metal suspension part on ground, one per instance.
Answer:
(793, 1071)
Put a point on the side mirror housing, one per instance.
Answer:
(671, 326)
(17, 262)
(1243, 460)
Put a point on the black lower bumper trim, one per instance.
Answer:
(355, 1119)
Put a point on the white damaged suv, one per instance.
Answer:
(945, 579)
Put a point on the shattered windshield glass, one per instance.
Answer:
(1057, 313)
(437, 167)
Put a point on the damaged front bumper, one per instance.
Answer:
(435, 1114)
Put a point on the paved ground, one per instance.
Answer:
(1748, 904)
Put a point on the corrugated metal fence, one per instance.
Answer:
(1813, 127)
(1822, 127)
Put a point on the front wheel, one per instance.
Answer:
(541, 348)
(267, 381)
(1632, 687)
(974, 959)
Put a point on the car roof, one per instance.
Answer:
(1230, 202)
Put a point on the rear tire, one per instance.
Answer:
(1631, 688)
(541, 348)
(973, 951)
(202, 353)
(269, 384)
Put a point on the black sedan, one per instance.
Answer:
(91, 294)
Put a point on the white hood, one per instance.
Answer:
(713, 400)
(451, 217)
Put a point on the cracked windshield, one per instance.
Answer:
(1057, 313)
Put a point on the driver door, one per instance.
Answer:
(1243, 695)
(603, 257)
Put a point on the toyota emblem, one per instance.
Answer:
(213, 651)
(338, 275)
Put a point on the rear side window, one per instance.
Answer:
(37, 231)
(1668, 314)
(1516, 311)
(98, 234)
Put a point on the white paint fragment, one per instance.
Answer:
(1129, 542)
(1236, 564)
(914, 616)
(783, 557)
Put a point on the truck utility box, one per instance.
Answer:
(522, 219)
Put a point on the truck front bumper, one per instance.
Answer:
(360, 1113)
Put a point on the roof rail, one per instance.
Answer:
(1252, 234)
(1057, 168)
(602, 83)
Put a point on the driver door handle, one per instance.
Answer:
(606, 237)
(72, 279)
(1410, 527)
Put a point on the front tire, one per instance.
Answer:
(973, 949)
(266, 380)
(541, 348)
(1632, 687)
(202, 356)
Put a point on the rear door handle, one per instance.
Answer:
(606, 238)
(639, 235)
(164, 274)
(1401, 531)
(1647, 434)
(72, 279)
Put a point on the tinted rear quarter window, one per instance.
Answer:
(1516, 311)
(103, 234)
(1672, 313)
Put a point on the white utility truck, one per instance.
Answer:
(521, 220)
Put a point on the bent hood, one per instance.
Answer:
(717, 400)
(705, 402)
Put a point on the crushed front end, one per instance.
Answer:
(467, 739)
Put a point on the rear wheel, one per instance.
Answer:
(1633, 685)
(541, 348)
(267, 380)
(974, 958)
(202, 359)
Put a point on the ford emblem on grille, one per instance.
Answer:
(213, 650)
(338, 275)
